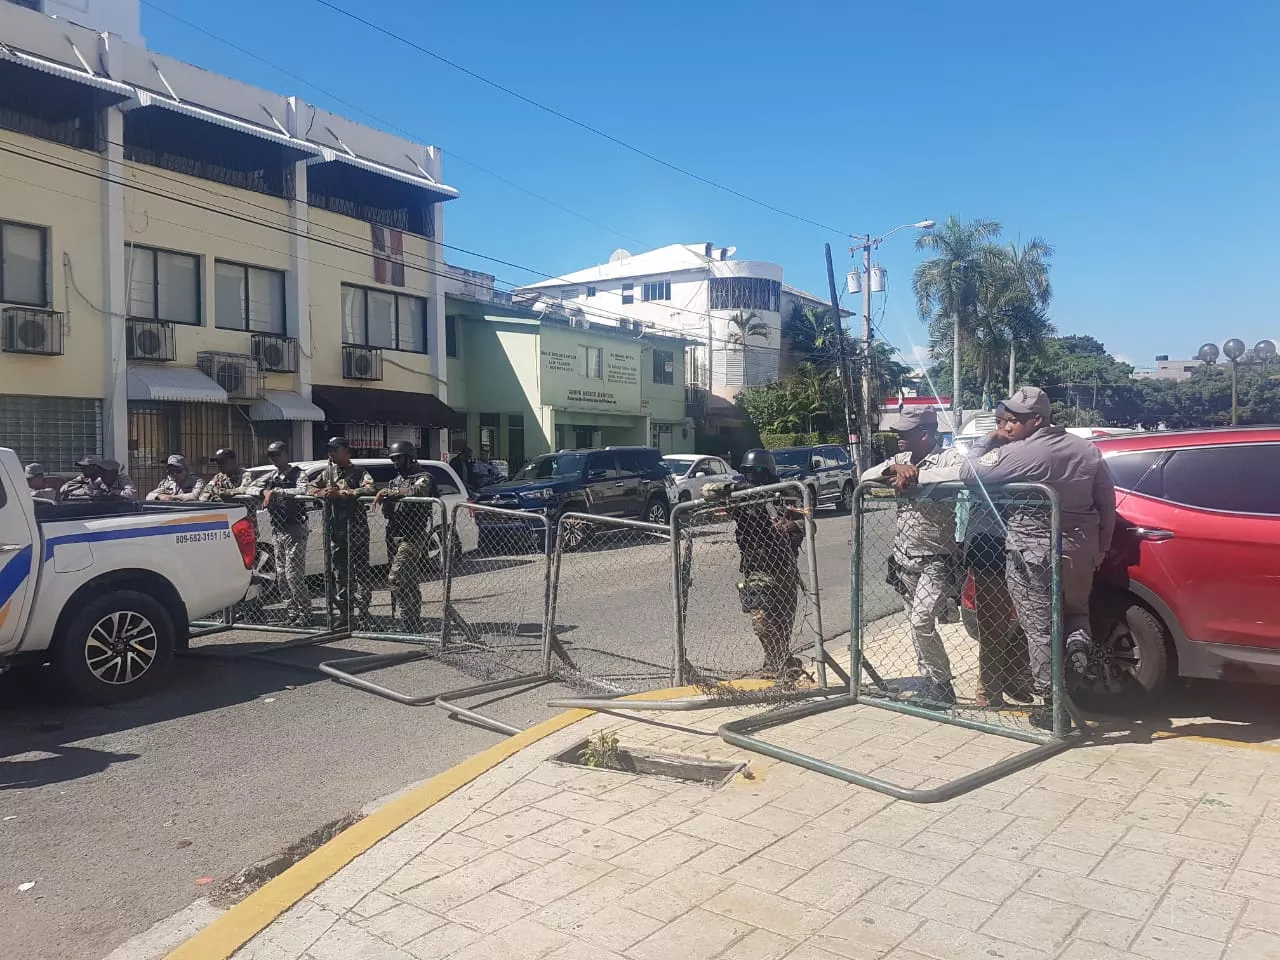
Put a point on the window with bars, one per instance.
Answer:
(656, 290)
(248, 298)
(53, 431)
(377, 318)
(163, 285)
(24, 258)
(744, 293)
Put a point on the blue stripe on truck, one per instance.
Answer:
(13, 573)
(165, 530)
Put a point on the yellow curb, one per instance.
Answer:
(244, 921)
(1217, 741)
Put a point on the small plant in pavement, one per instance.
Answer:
(602, 751)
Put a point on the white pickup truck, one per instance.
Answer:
(104, 590)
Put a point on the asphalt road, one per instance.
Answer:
(116, 813)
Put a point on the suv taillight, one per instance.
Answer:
(246, 540)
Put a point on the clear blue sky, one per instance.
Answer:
(1140, 138)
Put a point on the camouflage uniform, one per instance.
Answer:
(224, 486)
(289, 523)
(347, 522)
(188, 491)
(80, 489)
(410, 529)
(122, 488)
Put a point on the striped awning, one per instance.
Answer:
(285, 405)
(181, 384)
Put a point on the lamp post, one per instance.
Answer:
(1264, 351)
(871, 280)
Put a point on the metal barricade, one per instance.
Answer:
(957, 600)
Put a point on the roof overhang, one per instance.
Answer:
(121, 90)
(421, 181)
(285, 405)
(140, 99)
(180, 384)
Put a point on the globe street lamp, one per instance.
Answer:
(1264, 351)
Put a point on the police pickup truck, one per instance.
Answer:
(104, 590)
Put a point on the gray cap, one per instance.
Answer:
(109, 465)
(1027, 400)
(88, 460)
(34, 470)
(911, 417)
(176, 460)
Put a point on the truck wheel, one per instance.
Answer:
(119, 646)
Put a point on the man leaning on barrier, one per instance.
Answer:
(1025, 448)
(279, 490)
(410, 527)
(924, 546)
(769, 533)
(339, 485)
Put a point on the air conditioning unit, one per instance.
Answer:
(275, 354)
(151, 340)
(28, 330)
(361, 363)
(233, 372)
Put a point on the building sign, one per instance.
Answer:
(584, 372)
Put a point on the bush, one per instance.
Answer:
(773, 441)
(883, 445)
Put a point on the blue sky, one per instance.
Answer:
(1140, 138)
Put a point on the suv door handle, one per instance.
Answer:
(1152, 534)
(620, 484)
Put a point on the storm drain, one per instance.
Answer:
(592, 754)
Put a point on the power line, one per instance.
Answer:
(387, 124)
(581, 124)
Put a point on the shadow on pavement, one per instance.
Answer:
(1219, 709)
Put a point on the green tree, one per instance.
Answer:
(812, 336)
(1022, 292)
(744, 326)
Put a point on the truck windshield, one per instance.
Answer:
(555, 465)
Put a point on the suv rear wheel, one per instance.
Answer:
(1130, 657)
(845, 503)
(658, 511)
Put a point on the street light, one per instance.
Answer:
(1263, 351)
(871, 279)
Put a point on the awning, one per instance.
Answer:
(145, 98)
(121, 90)
(328, 155)
(363, 405)
(285, 405)
(183, 384)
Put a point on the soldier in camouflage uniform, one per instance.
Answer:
(229, 482)
(179, 484)
(769, 533)
(115, 484)
(85, 486)
(280, 490)
(347, 524)
(410, 529)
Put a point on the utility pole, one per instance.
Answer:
(864, 451)
(868, 398)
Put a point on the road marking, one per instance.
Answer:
(244, 921)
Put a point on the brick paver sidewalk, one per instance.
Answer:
(1162, 850)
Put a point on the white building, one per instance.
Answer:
(696, 290)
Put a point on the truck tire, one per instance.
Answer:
(118, 647)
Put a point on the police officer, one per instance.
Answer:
(769, 533)
(85, 486)
(36, 483)
(339, 484)
(924, 546)
(410, 528)
(115, 484)
(180, 485)
(279, 491)
(1025, 447)
(229, 482)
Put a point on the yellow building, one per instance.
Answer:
(189, 262)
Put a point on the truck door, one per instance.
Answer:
(18, 561)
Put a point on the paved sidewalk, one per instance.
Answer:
(1167, 849)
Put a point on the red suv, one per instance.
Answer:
(1191, 586)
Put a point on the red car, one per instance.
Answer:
(1191, 586)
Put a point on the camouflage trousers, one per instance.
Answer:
(1030, 579)
(349, 567)
(773, 614)
(927, 582)
(291, 570)
(408, 558)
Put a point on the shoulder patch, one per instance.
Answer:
(990, 458)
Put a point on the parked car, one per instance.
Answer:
(825, 469)
(631, 482)
(104, 590)
(449, 487)
(691, 470)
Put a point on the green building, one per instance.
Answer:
(531, 384)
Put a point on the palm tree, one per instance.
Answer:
(743, 326)
(1029, 268)
(811, 336)
(947, 286)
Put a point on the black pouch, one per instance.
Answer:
(893, 576)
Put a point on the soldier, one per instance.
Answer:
(410, 529)
(280, 490)
(115, 484)
(229, 482)
(1024, 447)
(36, 483)
(179, 484)
(339, 484)
(85, 486)
(923, 548)
(769, 533)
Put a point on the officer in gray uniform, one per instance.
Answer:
(1025, 448)
(924, 545)
(279, 491)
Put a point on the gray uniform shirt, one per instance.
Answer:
(925, 527)
(1069, 465)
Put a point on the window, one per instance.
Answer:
(591, 362)
(601, 466)
(23, 257)
(744, 293)
(490, 424)
(445, 485)
(569, 293)
(628, 293)
(451, 336)
(248, 298)
(1138, 472)
(54, 431)
(376, 318)
(656, 290)
(1232, 478)
(164, 285)
(591, 291)
(836, 457)
(664, 367)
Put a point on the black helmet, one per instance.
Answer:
(759, 466)
(277, 446)
(338, 443)
(226, 453)
(403, 448)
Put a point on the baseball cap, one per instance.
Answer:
(34, 470)
(88, 460)
(109, 465)
(910, 418)
(176, 460)
(1028, 400)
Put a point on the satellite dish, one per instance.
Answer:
(619, 255)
